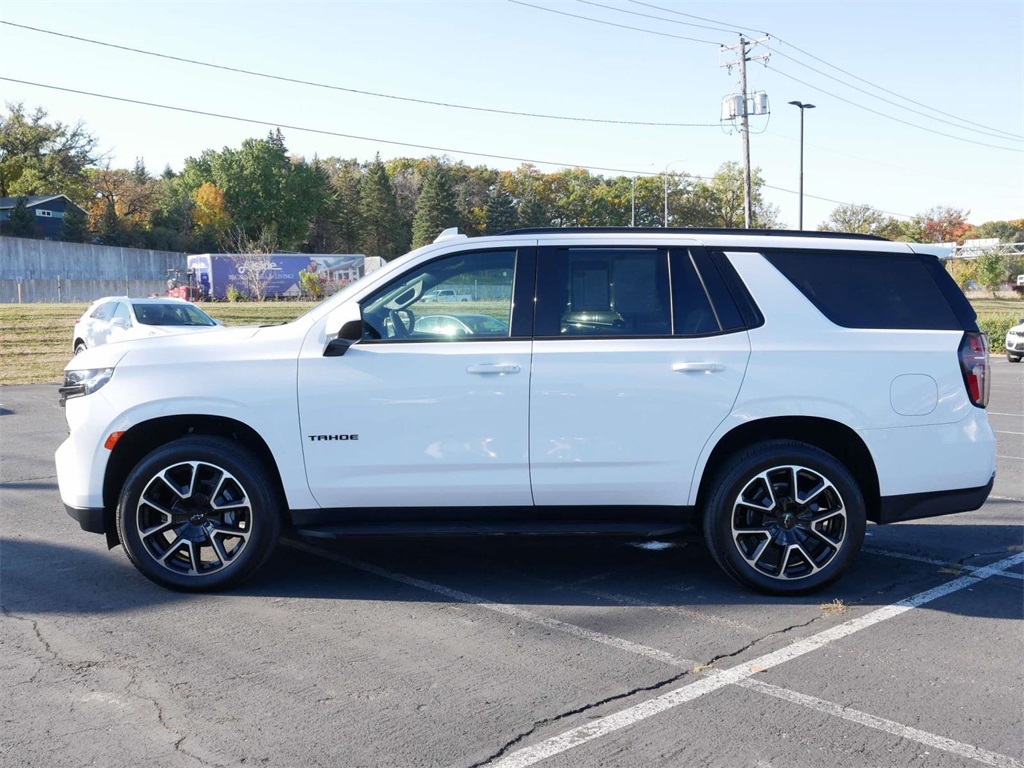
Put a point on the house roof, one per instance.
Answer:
(31, 201)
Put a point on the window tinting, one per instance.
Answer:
(692, 310)
(868, 289)
(604, 292)
(463, 297)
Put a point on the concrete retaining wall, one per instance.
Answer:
(45, 270)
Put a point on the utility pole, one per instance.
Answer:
(744, 48)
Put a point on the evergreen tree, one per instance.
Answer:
(533, 212)
(436, 209)
(23, 221)
(345, 180)
(501, 210)
(76, 225)
(378, 208)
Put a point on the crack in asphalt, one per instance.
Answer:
(761, 639)
(80, 667)
(579, 710)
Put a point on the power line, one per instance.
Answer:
(613, 24)
(1016, 137)
(338, 134)
(298, 81)
(323, 132)
(890, 117)
(774, 69)
(659, 18)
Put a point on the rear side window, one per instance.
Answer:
(104, 311)
(604, 292)
(864, 289)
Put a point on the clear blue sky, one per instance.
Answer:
(965, 59)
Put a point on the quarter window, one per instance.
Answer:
(104, 311)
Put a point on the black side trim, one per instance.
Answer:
(913, 506)
(501, 519)
(91, 518)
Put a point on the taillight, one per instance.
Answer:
(974, 365)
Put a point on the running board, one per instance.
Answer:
(650, 529)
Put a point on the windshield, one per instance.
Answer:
(171, 314)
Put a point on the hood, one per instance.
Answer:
(166, 346)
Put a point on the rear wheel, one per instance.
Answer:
(198, 515)
(784, 518)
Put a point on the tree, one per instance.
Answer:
(38, 157)
(123, 205)
(378, 209)
(262, 187)
(963, 271)
(345, 177)
(863, 220)
(940, 224)
(991, 271)
(436, 209)
(501, 210)
(75, 228)
(720, 201)
(252, 260)
(23, 221)
(211, 215)
(1007, 231)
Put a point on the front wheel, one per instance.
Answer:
(784, 518)
(198, 515)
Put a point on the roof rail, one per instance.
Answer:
(693, 231)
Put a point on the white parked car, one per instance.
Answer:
(778, 390)
(119, 318)
(1015, 342)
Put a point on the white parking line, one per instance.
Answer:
(881, 724)
(1015, 458)
(871, 721)
(1004, 432)
(606, 725)
(934, 561)
(996, 413)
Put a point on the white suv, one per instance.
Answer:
(776, 389)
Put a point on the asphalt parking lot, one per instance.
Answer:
(509, 652)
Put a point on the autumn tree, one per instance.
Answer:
(211, 212)
(940, 224)
(435, 209)
(40, 157)
(123, 204)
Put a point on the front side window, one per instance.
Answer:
(121, 313)
(104, 311)
(604, 292)
(463, 297)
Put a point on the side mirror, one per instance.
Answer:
(350, 333)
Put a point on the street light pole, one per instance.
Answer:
(801, 106)
(632, 213)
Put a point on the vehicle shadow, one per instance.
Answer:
(41, 577)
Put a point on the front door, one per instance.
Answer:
(431, 408)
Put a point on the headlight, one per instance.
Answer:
(79, 383)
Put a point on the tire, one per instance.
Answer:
(1013, 358)
(777, 541)
(80, 347)
(198, 515)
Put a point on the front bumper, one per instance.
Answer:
(90, 518)
(1015, 344)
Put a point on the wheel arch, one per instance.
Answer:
(833, 437)
(148, 435)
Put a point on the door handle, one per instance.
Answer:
(698, 367)
(491, 369)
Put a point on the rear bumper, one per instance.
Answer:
(912, 506)
(90, 518)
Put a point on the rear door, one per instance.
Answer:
(633, 369)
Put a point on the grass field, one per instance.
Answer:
(35, 339)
